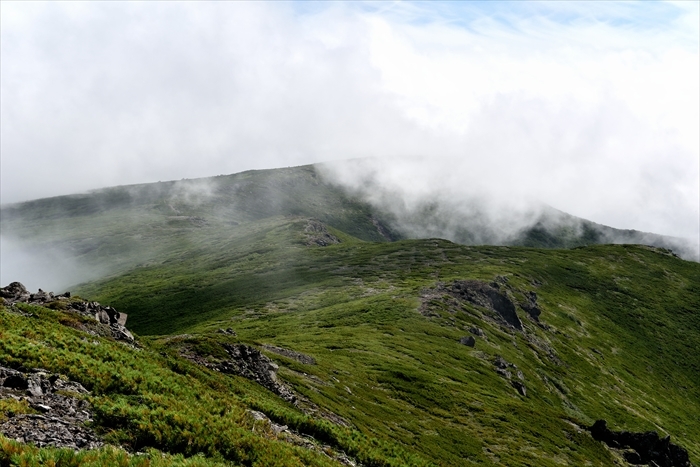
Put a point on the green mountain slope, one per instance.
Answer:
(402, 352)
(142, 399)
(116, 229)
(616, 338)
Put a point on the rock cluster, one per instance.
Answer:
(506, 369)
(530, 306)
(497, 296)
(468, 341)
(317, 234)
(250, 363)
(488, 296)
(61, 413)
(645, 448)
(106, 315)
(294, 355)
(262, 422)
(16, 292)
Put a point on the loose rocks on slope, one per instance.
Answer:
(645, 448)
(111, 320)
(317, 234)
(477, 293)
(62, 412)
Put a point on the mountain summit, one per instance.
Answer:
(276, 318)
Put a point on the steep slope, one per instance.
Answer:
(390, 350)
(140, 398)
(93, 235)
(374, 334)
(614, 336)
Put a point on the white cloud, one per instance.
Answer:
(592, 108)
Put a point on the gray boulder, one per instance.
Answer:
(468, 341)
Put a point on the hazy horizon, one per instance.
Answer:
(591, 108)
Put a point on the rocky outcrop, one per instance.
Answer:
(263, 423)
(250, 363)
(294, 355)
(497, 296)
(645, 448)
(383, 230)
(113, 321)
(18, 293)
(468, 341)
(60, 411)
(530, 306)
(107, 316)
(317, 234)
(488, 296)
(507, 371)
(245, 361)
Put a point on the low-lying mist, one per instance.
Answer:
(52, 270)
(476, 203)
(57, 243)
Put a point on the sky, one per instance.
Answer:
(590, 107)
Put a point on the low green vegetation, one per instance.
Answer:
(382, 376)
(144, 398)
(617, 340)
(14, 453)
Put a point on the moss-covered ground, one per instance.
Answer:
(618, 337)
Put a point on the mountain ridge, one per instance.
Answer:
(403, 352)
(130, 219)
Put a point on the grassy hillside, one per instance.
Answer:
(113, 230)
(618, 337)
(365, 327)
(146, 399)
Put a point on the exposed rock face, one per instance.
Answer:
(383, 230)
(63, 413)
(107, 316)
(113, 321)
(487, 296)
(15, 292)
(263, 423)
(520, 387)
(530, 306)
(645, 448)
(506, 370)
(468, 341)
(298, 356)
(248, 362)
(317, 234)
(498, 296)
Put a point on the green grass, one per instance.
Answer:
(14, 453)
(618, 338)
(148, 398)
(111, 231)
(622, 325)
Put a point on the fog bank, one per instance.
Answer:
(592, 108)
(477, 203)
